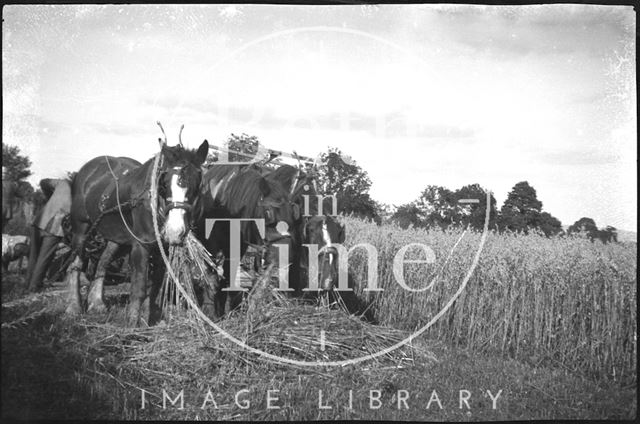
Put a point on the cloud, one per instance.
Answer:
(118, 129)
(508, 32)
(390, 125)
(579, 157)
(588, 98)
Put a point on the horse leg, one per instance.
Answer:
(96, 293)
(140, 264)
(228, 305)
(34, 248)
(156, 272)
(77, 244)
(212, 297)
(75, 306)
(233, 298)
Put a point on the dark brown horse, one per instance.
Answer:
(233, 192)
(112, 195)
(311, 228)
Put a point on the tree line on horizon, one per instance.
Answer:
(439, 207)
(436, 207)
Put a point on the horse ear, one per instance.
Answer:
(264, 186)
(162, 142)
(202, 153)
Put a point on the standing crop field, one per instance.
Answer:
(564, 302)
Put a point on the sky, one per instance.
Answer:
(417, 95)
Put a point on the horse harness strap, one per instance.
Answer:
(129, 204)
(133, 203)
(177, 205)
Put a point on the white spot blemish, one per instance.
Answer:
(282, 228)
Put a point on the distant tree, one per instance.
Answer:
(584, 225)
(24, 190)
(548, 224)
(521, 209)
(473, 214)
(349, 182)
(385, 211)
(17, 165)
(588, 226)
(407, 215)
(438, 207)
(608, 235)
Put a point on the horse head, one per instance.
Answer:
(178, 187)
(324, 232)
(313, 227)
(278, 213)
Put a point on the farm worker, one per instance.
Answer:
(47, 231)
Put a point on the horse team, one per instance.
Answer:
(264, 206)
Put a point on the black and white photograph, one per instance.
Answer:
(303, 212)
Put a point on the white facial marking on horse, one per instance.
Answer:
(178, 194)
(175, 226)
(325, 234)
(327, 239)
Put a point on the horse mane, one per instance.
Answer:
(286, 174)
(243, 190)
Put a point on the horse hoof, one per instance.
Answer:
(73, 310)
(97, 308)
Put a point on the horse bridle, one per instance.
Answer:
(169, 203)
(325, 250)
